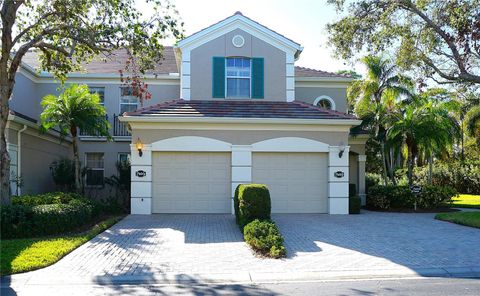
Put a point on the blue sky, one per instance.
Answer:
(303, 21)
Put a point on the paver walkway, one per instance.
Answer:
(146, 248)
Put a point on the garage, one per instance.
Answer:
(191, 182)
(297, 181)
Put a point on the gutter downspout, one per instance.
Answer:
(19, 157)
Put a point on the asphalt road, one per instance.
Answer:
(418, 286)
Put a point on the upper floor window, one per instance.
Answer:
(101, 93)
(238, 77)
(325, 102)
(128, 102)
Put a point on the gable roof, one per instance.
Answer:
(238, 109)
(308, 72)
(238, 20)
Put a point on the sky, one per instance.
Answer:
(303, 21)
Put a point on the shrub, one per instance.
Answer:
(63, 173)
(265, 238)
(45, 199)
(19, 221)
(251, 201)
(400, 197)
(372, 180)
(354, 204)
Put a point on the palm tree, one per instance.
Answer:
(75, 108)
(472, 108)
(424, 125)
(375, 99)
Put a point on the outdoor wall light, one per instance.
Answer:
(139, 145)
(341, 149)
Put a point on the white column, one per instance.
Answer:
(338, 180)
(141, 173)
(361, 178)
(290, 77)
(241, 167)
(185, 76)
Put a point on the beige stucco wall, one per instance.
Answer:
(201, 65)
(353, 169)
(240, 137)
(309, 94)
(37, 155)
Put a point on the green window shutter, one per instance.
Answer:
(257, 78)
(218, 77)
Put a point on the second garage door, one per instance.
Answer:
(186, 182)
(297, 181)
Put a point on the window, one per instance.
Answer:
(128, 102)
(124, 157)
(95, 169)
(101, 93)
(238, 76)
(324, 102)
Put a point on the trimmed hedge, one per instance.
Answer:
(251, 201)
(354, 205)
(265, 238)
(400, 197)
(22, 221)
(45, 199)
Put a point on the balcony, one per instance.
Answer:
(119, 129)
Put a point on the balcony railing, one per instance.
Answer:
(119, 129)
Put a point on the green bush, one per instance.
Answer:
(465, 178)
(354, 205)
(63, 173)
(21, 221)
(251, 201)
(265, 238)
(45, 199)
(400, 197)
(372, 180)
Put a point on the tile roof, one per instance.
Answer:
(116, 61)
(238, 109)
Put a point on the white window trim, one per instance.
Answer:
(120, 101)
(123, 153)
(94, 169)
(324, 97)
(90, 88)
(238, 77)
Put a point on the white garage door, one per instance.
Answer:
(185, 182)
(297, 181)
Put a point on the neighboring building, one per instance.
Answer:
(228, 107)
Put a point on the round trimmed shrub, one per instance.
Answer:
(264, 237)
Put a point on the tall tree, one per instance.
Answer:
(440, 38)
(68, 33)
(73, 110)
(376, 97)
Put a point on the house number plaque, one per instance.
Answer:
(339, 174)
(140, 173)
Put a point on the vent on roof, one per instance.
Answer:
(238, 41)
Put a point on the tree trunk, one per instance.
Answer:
(76, 160)
(430, 169)
(6, 87)
(384, 163)
(410, 165)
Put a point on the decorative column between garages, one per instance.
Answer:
(241, 167)
(141, 174)
(338, 180)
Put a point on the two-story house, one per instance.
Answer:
(228, 106)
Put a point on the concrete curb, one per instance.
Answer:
(241, 277)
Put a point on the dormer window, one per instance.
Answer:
(238, 77)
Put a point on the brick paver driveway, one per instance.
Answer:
(143, 247)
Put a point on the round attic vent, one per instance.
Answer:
(238, 41)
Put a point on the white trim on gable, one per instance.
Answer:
(238, 21)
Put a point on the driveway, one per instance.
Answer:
(172, 248)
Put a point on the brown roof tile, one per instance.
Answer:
(238, 109)
(308, 72)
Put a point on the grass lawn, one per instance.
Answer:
(471, 219)
(20, 255)
(466, 201)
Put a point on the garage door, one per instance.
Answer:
(185, 182)
(297, 181)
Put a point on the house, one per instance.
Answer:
(228, 106)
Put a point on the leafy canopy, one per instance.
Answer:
(436, 38)
(74, 108)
